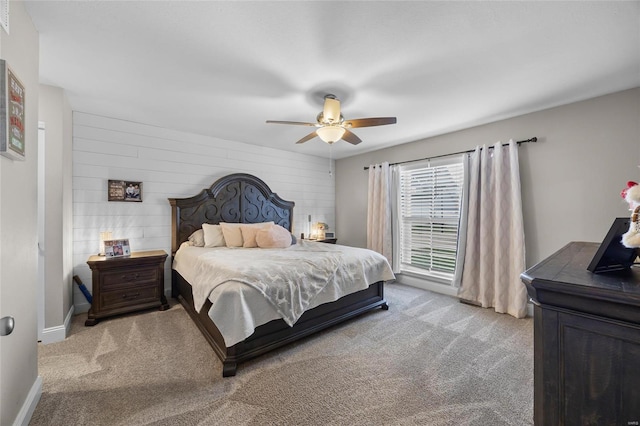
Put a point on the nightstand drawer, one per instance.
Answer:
(115, 279)
(132, 295)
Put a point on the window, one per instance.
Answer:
(429, 209)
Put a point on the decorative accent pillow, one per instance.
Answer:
(249, 232)
(213, 235)
(197, 238)
(273, 237)
(233, 232)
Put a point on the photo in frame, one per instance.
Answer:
(122, 190)
(116, 248)
(12, 114)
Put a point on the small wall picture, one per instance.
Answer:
(122, 190)
(12, 114)
(116, 248)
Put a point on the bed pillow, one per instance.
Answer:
(197, 238)
(233, 232)
(213, 236)
(274, 236)
(249, 231)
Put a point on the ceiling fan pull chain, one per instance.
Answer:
(330, 156)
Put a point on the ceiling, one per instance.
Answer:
(222, 68)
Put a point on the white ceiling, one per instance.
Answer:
(223, 68)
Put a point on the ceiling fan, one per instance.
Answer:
(332, 126)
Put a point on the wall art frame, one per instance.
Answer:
(12, 114)
(123, 190)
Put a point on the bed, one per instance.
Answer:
(243, 198)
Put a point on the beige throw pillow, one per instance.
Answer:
(249, 235)
(273, 237)
(233, 232)
(213, 235)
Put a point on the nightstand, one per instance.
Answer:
(328, 240)
(126, 284)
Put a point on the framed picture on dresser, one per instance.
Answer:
(612, 255)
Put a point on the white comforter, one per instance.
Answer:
(250, 287)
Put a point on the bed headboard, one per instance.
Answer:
(236, 198)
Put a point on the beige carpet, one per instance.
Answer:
(429, 360)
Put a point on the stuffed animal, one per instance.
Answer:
(631, 195)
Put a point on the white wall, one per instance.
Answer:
(20, 386)
(571, 179)
(55, 112)
(173, 164)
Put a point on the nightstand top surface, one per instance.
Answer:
(133, 255)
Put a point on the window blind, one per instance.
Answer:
(429, 202)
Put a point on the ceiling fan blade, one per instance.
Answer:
(368, 122)
(351, 137)
(308, 137)
(295, 123)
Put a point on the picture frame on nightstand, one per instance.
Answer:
(116, 248)
(329, 235)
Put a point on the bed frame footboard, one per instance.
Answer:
(276, 333)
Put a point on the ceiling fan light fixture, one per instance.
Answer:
(330, 134)
(331, 110)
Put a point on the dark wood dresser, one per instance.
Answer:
(126, 284)
(586, 341)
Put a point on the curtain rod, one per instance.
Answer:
(533, 139)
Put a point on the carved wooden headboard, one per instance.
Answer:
(236, 198)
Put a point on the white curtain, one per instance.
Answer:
(462, 227)
(495, 252)
(379, 211)
(394, 193)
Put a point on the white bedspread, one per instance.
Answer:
(250, 287)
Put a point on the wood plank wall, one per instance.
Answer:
(171, 163)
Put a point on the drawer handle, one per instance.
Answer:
(130, 296)
(130, 277)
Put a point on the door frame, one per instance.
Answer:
(41, 231)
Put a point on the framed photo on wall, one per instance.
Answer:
(122, 190)
(12, 114)
(116, 248)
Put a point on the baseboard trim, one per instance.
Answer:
(441, 288)
(58, 333)
(33, 397)
(427, 285)
(67, 321)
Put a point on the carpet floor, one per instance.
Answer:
(428, 360)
